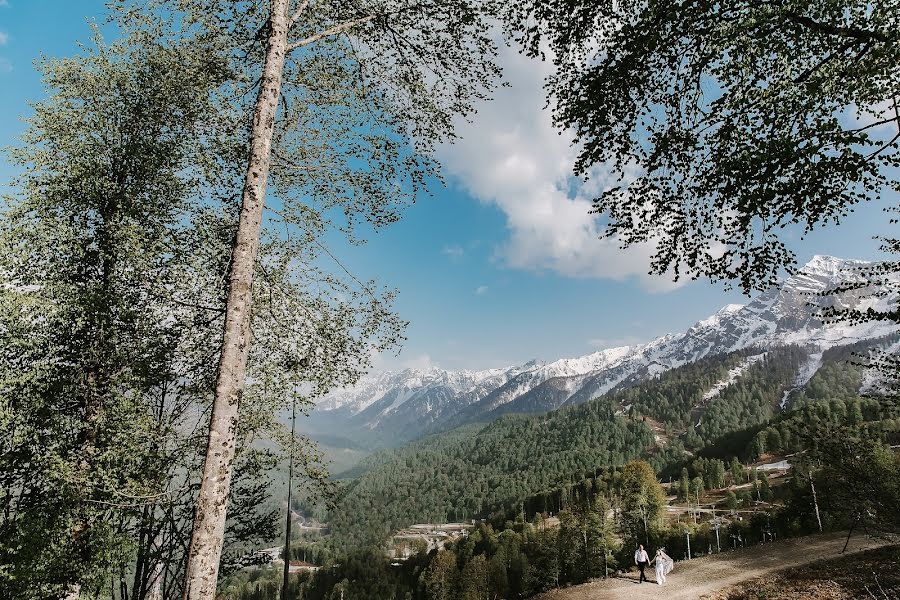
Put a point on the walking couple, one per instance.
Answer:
(664, 564)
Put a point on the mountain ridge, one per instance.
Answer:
(394, 407)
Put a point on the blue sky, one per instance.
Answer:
(499, 267)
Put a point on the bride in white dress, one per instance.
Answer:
(664, 565)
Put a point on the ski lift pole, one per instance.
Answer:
(687, 534)
(287, 527)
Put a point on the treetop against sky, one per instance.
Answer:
(501, 266)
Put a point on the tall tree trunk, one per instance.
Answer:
(850, 533)
(587, 556)
(155, 591)
(139, 583)
(209, 523)
(812, 486)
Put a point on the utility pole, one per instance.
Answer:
(287, 527)
(587, 554)
(687, 534)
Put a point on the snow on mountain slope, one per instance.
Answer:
(806, 373)
(373, 388)
(411, 402)
(732, 376)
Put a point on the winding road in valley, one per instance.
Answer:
(694, 579)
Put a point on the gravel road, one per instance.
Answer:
(691, 580)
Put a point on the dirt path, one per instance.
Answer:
(693, 579)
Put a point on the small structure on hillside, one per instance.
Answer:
(299, 566)
(425, 537)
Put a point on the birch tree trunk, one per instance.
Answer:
(812, 486)
(209, 523)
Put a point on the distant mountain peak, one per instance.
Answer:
(722, 313)
(730, 309)
(832, 267)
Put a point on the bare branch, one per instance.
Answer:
(836, 30)
(344, 268)
(825, 60)
(300, 10)
(875, 124)
(329, 32)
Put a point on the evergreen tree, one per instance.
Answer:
(765, 490)
(441, 579)
(543, 565)
(719, 474)
(684, 485)
(474, 584)
(737, 471)
(731, 500)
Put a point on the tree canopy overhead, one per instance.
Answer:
(726, 121)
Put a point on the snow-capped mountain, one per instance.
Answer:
(395, 407)
(401, 386)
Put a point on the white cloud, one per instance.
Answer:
(880, 117)
(453, 251)
(511, 156)
(604, 343)
(4, 38)
(481, 290)
(389, 361)
(423, 362)
(4, 3)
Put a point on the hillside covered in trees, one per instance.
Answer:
(468, 472)
(489, 471)
(599, 523)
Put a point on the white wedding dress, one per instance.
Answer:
(664, 565)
